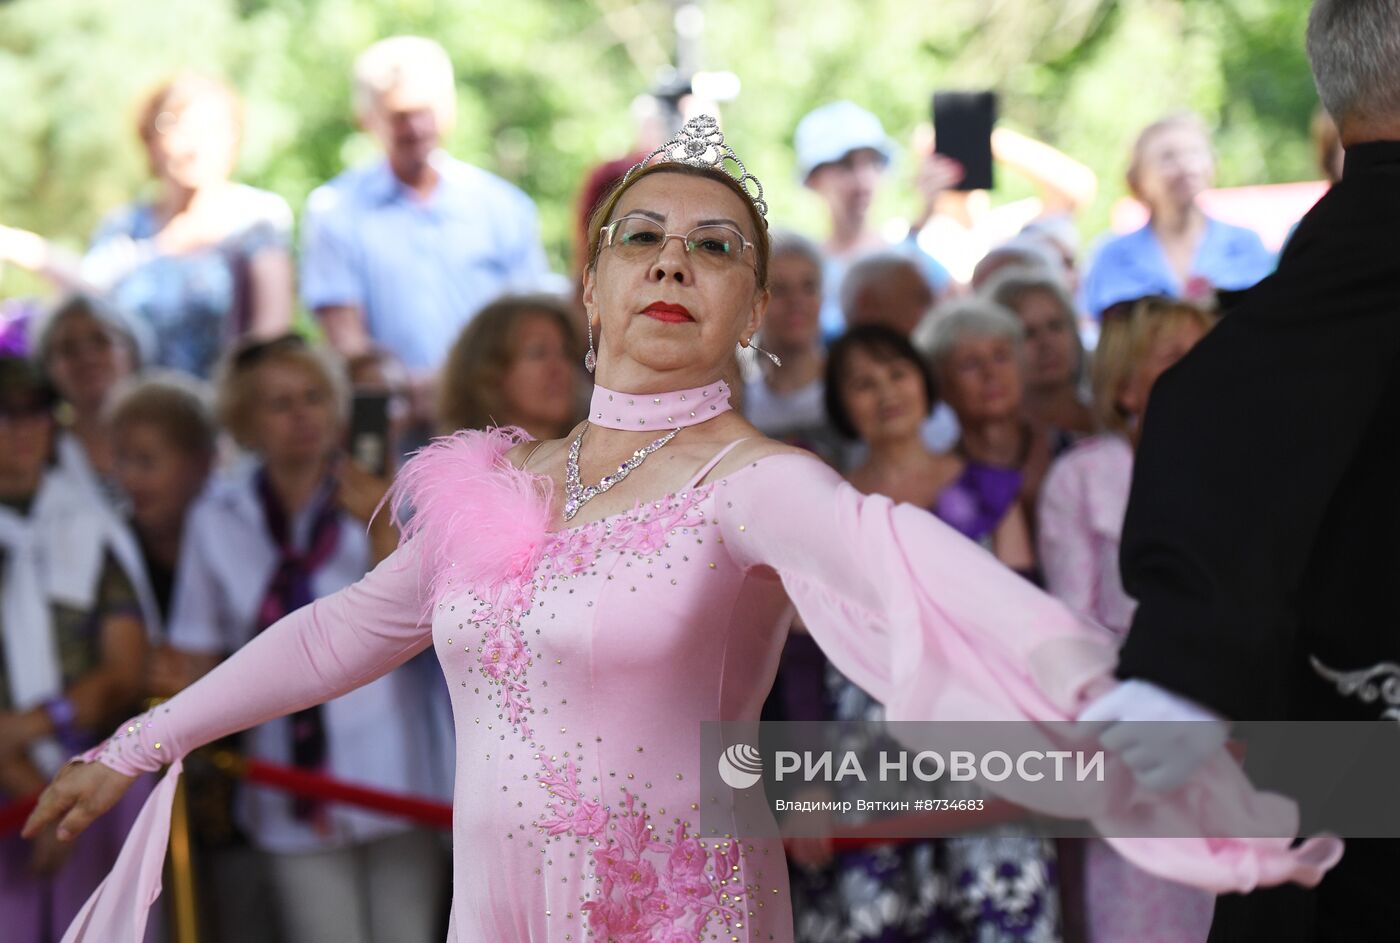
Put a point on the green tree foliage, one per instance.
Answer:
(544, 86)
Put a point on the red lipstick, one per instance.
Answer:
(670, 313)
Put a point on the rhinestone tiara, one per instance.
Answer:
(700, 143)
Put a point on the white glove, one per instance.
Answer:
(1161, 755)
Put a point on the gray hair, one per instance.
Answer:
(392, 62)
(967, 317)
(871, 270)
(139, 342)
(787, 242)
(1354, 46)
(1022, 251)
(1010, 285)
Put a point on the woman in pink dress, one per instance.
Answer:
(586, 631)
(1081, 522)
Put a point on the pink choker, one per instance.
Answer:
(642, 412)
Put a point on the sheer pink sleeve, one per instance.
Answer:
(313, 655)
(1065, 544)
(935, 628)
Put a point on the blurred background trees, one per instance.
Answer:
(544, 86)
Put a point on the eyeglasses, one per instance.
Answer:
(638, 239)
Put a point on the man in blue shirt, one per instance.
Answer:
(403, 252)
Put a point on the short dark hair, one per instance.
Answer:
(884, 344)
(23, 385)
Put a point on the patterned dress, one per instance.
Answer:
(989, 887)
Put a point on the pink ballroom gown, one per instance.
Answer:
(581, 663)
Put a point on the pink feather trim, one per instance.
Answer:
(476, 519)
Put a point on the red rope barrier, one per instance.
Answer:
(317, 786)
(13, 815)
(439, 814)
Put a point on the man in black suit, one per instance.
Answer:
(1262, 538)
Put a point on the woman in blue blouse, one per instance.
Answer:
(1181, 252)
(202, 263)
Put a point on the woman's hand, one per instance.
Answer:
(76, 797)
(19, 730)
(34, 253)
(22, 248)
(936, 175)
(359, 492)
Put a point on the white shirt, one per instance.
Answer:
(377, 735)
(773, 413)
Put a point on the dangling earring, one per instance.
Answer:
(771, 356)
(590, 359)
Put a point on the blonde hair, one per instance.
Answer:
(183, 90)
(1128, 333)
(469, 392)
(1181, 119)
(236, 385)
(394, 62)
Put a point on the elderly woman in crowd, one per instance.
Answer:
(284, 528)
(207, 259)
(163, 447)
(515, 364)
(787, 402)
(1055, 362)
(877, 389)
(1180, 251)
(73, 640)
(977, 350)
(888, 288)
(1021, 251)
(1081, 519)
(86, 351)
(880, 390)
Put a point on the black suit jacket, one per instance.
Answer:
(1263, 527)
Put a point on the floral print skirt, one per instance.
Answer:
(994, 887)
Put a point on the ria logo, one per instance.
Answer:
(740, 766)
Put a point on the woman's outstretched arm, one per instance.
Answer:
(313, 655)
(934, 627)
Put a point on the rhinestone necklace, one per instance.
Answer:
(576, 495)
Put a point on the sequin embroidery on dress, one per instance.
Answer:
(630, 871)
